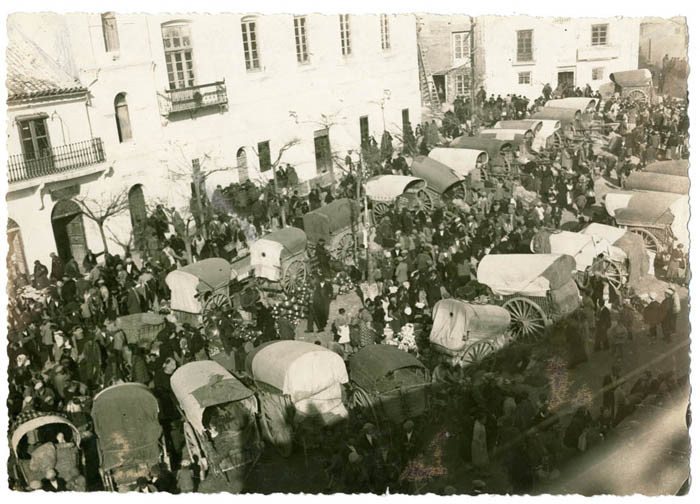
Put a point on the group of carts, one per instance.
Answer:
(229, 415)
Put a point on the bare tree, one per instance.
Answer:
(182, 221)
(274, 165)
(102, 208)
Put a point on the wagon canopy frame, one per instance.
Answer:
(492, 146)
(32, 421)
(462, 161)
(389, 187)
(438, 176)
(201, 384)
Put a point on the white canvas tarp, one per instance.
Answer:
(265, 258)
(389, 187)
(549, 127)
(456, 323)
(681, 215)
(462, 161)
(183, 288)
(525, 274)
(584, 248)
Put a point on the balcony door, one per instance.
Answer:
(322, 148)
(69, 231)
(36, 146)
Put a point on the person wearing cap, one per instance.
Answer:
(56, 267)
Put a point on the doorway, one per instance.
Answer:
(565, 79)
(69, 231)
(439, 81)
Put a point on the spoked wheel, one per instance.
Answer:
(612, 272)
(557, 141)
(218, 301)
(379, 210)
(477, 351)
(650, 241)
(294, 276)
(344, 250)
(527, 320)
(425, 202)
(458, 191)
(276, 430)
(638, 96)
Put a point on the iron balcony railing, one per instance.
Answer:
(59, 159)
(197, 97)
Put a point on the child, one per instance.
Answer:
(342, 324)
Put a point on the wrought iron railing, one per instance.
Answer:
(59, 159)
(197, 97)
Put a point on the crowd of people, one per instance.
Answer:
(65, 345)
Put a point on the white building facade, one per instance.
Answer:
(164, 92)
(520, 54)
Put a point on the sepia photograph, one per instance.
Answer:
(365, 253)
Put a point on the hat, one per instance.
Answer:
(354, 457)
(408, 425)
(404, 253)
(368, 427)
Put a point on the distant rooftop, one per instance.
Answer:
(32, 74)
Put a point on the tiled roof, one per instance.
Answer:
(31, 73)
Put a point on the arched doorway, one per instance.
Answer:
(16, 259)
(137, 211)
(242, 165)
(69, 231)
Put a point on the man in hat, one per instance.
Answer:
(654, 315)
(323, 257)
(56, 267)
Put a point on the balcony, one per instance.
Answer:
(62, 159)
(196, 98)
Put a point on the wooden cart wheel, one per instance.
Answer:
(612, 273)
(276, 430)
(477, 351)
(526, 318)
(379, 210)
(650, 241)
(638, 95)
(458, 191)
(294, 275)
(218, 301)
(425, 201)
(344, 250)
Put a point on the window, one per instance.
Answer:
(264, 156)
(461, 85)
(345, 46)
(300, 39)
(121, 111)
(599, 34)
(460, 47)
(524, 77)
(597, 73)
(364, 130)
(178, 55)
(322, 148)
(109, 32)
(250, 44)
(242, 165)
(524, 45)
(384, 28)
(35, 138)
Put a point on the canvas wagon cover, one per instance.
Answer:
(491, 145)
(439, 177)
(578, 103)
(126, 423)
(455, 322)
(374, 362)
(297, 368)
(200, 384)
(565, 116)
(533, 125)
(659, 182)
(525, 274)
(324, 222)
(630, 243)
(267, 253)
(678, 167)
(390, 187)
(632, 78)
(549, 127)
(641, 208)
(565, 299)
(207, 275)
(462, 161)
(29, 421)
(584, 248)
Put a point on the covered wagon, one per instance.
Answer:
(659, 182)
(465, 333)
(442, 181)
(40, 441)
(634, 84)
(659, 218)
(546, 131)
(570, 120)
(471, 164)
(593, 255)
(389, 383)
(308, 377)
(632, 244)
(198, 287)
(501, 154)
(385, 191)
(141, 328)
(333, 223)
(280, 257)
(678, 168)
(130, 441)
(587, 105)
(536, 289)
(220, 429)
